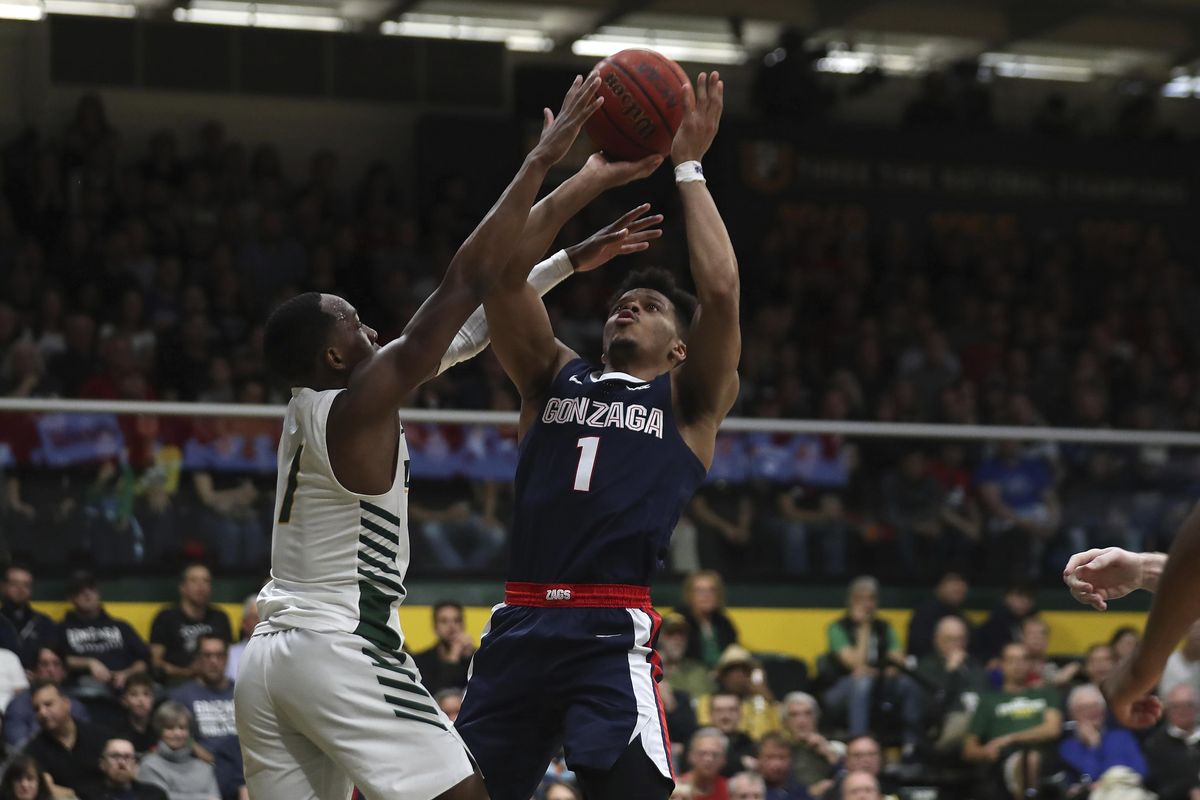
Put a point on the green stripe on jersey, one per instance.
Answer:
(374, 614)
(379, 512)
(376, 528)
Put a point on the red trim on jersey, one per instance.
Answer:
(577, 595)
(656, 674)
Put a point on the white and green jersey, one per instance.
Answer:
(338, 558)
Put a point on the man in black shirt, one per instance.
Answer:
(947, 601)
(175, 630)
(101, 652)
(120, 767)
(444, 666)
(34, 630)
(67, 750)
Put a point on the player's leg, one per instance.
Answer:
(509, 719)
(634, 776)
(365, 709)
(615, 726)
(280, 763)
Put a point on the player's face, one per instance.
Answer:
(642, 322)
(351, 342)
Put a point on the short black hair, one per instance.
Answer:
(296, 331)
(81, 581)
(663, 282)
(446, 604)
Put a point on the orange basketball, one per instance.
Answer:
(643, 105)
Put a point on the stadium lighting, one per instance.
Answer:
(604, 43)
(23, 11)
(1046, 68)
(90, 8)
(516, 35)
(262, 15)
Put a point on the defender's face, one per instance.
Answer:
(642, 320)
(351, 341)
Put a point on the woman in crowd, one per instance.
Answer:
(173, 766)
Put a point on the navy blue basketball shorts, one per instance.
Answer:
(570, 666)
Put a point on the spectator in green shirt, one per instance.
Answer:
(1010, 725)
(864, 649)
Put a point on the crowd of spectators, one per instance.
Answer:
(144, 276)
(984, 712)
(95, 713)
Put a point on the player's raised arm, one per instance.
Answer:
(707, 383)
(380, 384)
(521, 332)
(545, 222)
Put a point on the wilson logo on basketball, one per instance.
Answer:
(558, 594)
(642, 124)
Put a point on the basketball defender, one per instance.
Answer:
(326, 697)
(609, 457)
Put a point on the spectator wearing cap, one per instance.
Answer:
(710, 630)
(175, 630)
(1173, 751)
(20, 722)
(814, 758)
(739, 673)
(863, 649)
(685, 673)
(34, 629)
(706, 757)
(101, 651)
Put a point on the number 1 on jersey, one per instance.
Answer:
(588, 445)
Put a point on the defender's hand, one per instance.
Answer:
(1097, 576)
(701, 118)
(631, 233)
(559, 133)
(611, 174)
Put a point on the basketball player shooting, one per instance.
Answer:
(610, 454)
(325, 695)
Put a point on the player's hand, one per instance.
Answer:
(701, 118)
(632, 233)
(1097, 576)
(1127, 692)
(559, 133)
(611, 174)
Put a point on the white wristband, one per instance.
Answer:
(689, 171)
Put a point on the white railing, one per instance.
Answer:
(898, 430)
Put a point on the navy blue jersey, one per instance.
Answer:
(602, 478)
